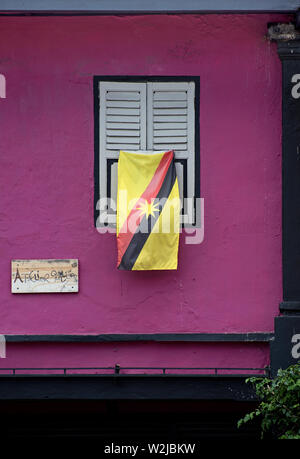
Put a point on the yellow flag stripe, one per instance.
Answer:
(139, 166)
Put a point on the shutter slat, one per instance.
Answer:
(170, 132)
(170, 118)
(169, 146)
(122, 95)
(122, 132)
(170, 140)
(135, 140)
(122, 146)
(171, 111)
(170, 104)
(123, 103)
(125, 119)
(169, 95)
(158, 126)
(123, 111)
(125, 126)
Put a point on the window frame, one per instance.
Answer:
(144, 79)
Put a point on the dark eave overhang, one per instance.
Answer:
(125, 387)
(146, 6)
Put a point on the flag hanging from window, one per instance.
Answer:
(148, 211)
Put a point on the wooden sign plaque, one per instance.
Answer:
(44, 276)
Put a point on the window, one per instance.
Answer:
(147, 113)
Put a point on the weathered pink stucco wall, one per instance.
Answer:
(139, 355)
(229, 283)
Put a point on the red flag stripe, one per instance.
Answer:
(125, 235)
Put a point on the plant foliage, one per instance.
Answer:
(279, 409)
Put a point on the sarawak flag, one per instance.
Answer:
(148, 211)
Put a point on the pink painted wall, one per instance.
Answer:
(216, 355)
(229, 283)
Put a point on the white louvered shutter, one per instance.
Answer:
(171, 125)
(122, 126)
(147, 116)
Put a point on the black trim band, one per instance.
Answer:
(287, 307)
(152, 337)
